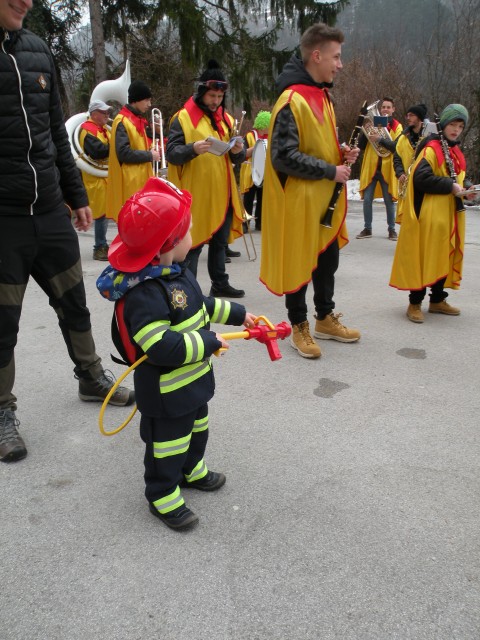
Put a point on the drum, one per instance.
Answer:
(259, 155)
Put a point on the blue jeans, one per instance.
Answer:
(100, 226)
(368, 202)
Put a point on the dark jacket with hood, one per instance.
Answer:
(37, 168)
(284, 141)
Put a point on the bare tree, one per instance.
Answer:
(98, 40)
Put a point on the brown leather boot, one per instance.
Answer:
(443, 307)
(414, 313)
(302, 341)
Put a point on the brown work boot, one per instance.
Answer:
(414, 313)
(366, 233)
(101, 253)
(12, 446)
(96, 390)
(302, 341)
(330, 328)
(443, 307)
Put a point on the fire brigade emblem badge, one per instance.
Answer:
(179, 299)
(41, 81)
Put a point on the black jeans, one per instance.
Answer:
(323, 280)
(248, 198)
(437, 294)
(216, 253)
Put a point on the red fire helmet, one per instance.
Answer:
(154, 219)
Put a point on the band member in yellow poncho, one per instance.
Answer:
(430, 247)
(304, 161)
(130, 163)
(217, 212)
(252, 193)
(377, 177)
(95, 141)
(404, 155)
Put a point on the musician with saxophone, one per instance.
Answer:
(131, 158)
(95, 141)
(431, 245)
(404, 154)
(40, 192)
(304, 162)
(217, 211)
(377, 176)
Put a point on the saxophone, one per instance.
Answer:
(368, 128)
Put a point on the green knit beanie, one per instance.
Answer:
(262, 121)
(453, 112)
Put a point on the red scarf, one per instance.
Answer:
(93, 128)
(139, 122)
(456, 155)
(196, 113)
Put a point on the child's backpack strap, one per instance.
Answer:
(120, 336)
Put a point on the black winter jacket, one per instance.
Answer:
(37, 169)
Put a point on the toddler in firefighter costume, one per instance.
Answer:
(167, 317)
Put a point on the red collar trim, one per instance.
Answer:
(314, 96)
(457, 156)
(139, 122)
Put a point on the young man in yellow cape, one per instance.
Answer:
(304, 163)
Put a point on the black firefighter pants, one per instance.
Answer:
(46, 248)
(174, 449)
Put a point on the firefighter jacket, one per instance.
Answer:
(37, 169)
(168, 318)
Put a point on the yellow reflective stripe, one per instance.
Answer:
(171, 447)
(200, 471)
(197, 321)
(194, 347)
(170, 502)
(200, 425)
(184, 375)
(221, 311)
(150, 334)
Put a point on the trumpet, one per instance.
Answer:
(368, 128)
(159, 166)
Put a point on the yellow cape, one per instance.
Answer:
(210, 180)
(369, 166)
(125, 179)
(431, 246)
(246, 181)
(96, 187)
(292, 237)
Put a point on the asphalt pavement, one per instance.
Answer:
(352, 504)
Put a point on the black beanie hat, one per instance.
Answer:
(137, 91)
(212, 72)
(419, 110)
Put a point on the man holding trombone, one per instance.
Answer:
(131, 156)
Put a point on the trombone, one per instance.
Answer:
(159, 166)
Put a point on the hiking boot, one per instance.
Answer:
(101, 253)
(12, 446)
(232, 254)
(443, 307)
(97, 390)
(302, 341)
(180, 518)
(366, 233)
(392, 235)
(414, 313)
(211, 482)
(330, 328)
(227, 291)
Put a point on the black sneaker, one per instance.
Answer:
(366, 233)
(211, 482)
(392, 235)
(97, 390)
(232, 254)
(180, 518)
(226, 291)
(12, 446)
